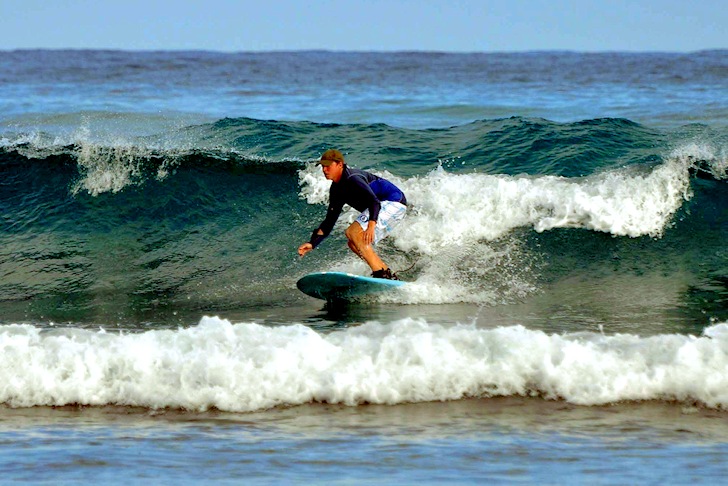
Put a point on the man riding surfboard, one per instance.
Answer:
(382, 205)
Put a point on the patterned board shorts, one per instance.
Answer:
(390, 215)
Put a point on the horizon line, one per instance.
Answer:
(355, 51)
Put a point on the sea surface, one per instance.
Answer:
(566, 248)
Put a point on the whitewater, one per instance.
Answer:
(247, 367)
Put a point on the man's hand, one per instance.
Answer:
(369, 232)
(305, 248)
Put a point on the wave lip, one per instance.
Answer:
(247, 367)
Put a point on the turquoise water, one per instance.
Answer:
(565, 316)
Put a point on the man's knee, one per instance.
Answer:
(353, 232)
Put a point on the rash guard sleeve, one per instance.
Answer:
(332, 214)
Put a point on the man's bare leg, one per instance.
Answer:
(355, 235)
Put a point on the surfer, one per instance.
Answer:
(382, 205)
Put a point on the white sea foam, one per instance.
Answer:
(105, 163)
(106, 170)
(246, 366)
(707, 155)
(111, 167)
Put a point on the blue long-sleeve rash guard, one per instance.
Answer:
(360, 190)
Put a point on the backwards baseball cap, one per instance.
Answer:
(331, 156)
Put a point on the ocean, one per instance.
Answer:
(566, 313)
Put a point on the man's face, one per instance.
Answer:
(333, 171)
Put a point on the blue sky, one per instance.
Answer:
(441, 25)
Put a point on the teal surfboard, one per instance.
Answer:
(343, 286)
